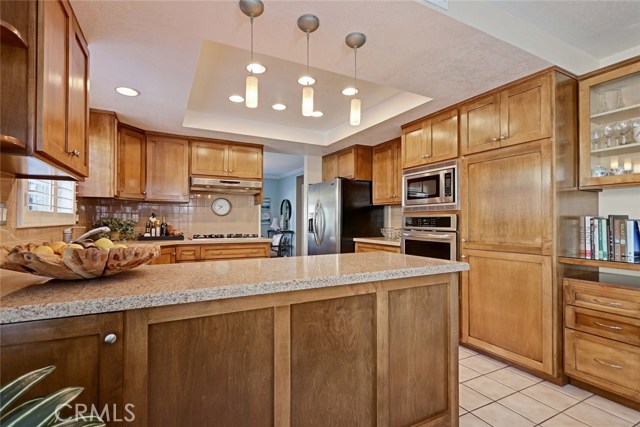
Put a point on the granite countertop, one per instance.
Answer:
(378, 241)
(188, 241)
(25, 298)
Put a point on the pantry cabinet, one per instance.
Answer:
(221, 159)
(431, 140)
(87, 352)
(610, 127)
(387, 173)
(132, 155)
(519, 113)
(167, 175)
(354, 162)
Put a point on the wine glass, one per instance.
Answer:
(623, 128)
(596, 137)
(608, 133)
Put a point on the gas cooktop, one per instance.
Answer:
(222, 236)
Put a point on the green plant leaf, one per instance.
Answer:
(16, 388)
(40, 414)
(15, 411)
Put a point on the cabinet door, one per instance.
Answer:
(507, 307)
(77, 348)
(103, 139)
(187, 253)
(347, 164)
(131, 164)
(209, 158)
(329, 167)
(525, 111)
(167, 169)
(387, 173)
(245, 161)
(167, 256)
(234, 251)
(506, 197)
(443, 134)
(413, 145)
(78, 119)
(480, 125)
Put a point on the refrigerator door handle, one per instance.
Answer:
(320, 223)
(314, 223)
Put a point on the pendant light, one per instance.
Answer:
(354, 41)
(253, 9)
(307, 23)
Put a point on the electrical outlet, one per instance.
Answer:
(135, 217)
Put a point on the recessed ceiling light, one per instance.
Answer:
(236, 98)
(349, 91)
(279, 107)
(306, 80)
(317, 114)
(256, 68)
(127, 91)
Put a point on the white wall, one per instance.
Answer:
(620, 201)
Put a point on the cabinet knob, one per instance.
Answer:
(144, 193)
(503, 137)
(494, 139)
(110, 339)
(463, 240)
(121, 190)
(463, 256)
(74, 153)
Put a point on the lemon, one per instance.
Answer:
(57, 247)
(43, 250)
(119, 246)
(104, 243)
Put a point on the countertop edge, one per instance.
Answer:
(10, 315)
(378, 241)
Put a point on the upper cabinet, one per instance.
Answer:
(226, 160)
(516, 114)
(610, 127)
(46, 113)
(132, 152)
(431, 140)
(352, 163)
(167, 169)
(103, 140)
(387, 173)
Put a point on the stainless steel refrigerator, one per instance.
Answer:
(339, 210)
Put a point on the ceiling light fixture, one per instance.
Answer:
(279, 107)
(354, 41)
(256, 68)
(127, 91)
(349, 91)
(307, 23)
(317, 114)
(236, 98)
(253, 9)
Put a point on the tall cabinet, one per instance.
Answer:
(517, 192)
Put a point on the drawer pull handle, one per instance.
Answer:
(608, 364)
(615, 328)
(612, 304)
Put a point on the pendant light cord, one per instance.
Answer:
(251, 20)
(307, 54)
(355, 68)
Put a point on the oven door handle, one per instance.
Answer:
(418, 236)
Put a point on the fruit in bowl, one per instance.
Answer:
(76, 261)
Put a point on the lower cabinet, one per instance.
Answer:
(507, 307)
(191, 253)
(167, 256)
(372, 247)
(80, 349)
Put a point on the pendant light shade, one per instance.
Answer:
(251, 94)
(307, 23)
(354, 116)
(253, 9)
(354, 41)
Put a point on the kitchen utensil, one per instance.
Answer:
(90, 233)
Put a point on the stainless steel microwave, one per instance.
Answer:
(431, 188)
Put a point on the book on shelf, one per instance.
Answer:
(615, 238)
(603, 240)
(633, 240)
(615, 222)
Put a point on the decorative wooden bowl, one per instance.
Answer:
(76, 264)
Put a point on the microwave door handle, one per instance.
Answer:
(429, 236)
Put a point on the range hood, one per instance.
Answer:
(232, 186)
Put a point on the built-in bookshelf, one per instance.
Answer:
(598, 263)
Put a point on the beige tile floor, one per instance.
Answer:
(493, 394)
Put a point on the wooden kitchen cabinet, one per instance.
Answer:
(518, 113)
(387, 173)
(78, 348)
(226, 160)
(362, 247)
(507, 307)
(608, 100)
(187, 253)
(507, 199)
(431, 140)
(167, 256)
(167, 174)
(234, 251)
(103, 144)
(602, 332)
(132, 154)
(351, 163)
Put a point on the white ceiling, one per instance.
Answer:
(162, 48)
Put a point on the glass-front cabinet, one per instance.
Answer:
(610, 128)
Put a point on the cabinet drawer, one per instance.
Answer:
(603, 298)
(370, 247)
(228, 251)
(604, 363)
(613, 326)
(187, 253)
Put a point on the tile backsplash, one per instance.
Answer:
(195, 217)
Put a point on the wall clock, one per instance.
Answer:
(221, 206)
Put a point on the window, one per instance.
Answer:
(44, 202)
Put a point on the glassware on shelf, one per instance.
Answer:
(636, 131)
(599, 171)
(619, 101)
(623, 128)
(609, 131)
(602, 106)
(596, 138)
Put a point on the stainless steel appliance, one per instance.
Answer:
(222, 236)
(338, 211)
(229, 186)
(434, 236)
(431, 187)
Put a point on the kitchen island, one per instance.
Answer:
(331, 340)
